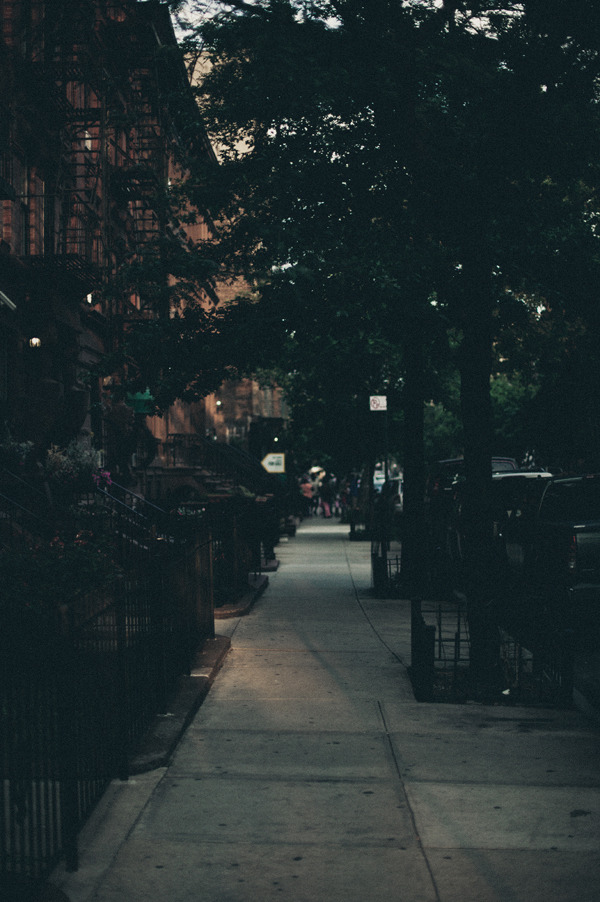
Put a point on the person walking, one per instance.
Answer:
(316, 493)
(326, 496)
(306, 490)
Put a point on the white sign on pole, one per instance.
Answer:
(274, 463)
(378, 402)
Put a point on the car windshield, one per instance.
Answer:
(575, 501)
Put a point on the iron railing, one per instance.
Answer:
(224, 463)
(440, 648)
(79, 687)
(81, 680)
(534, 666)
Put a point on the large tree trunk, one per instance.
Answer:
(475, 371)
(413, 519)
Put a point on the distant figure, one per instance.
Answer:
(316, 494)
(306, 490)
(344, 498)
(354, 489)
(327, 496)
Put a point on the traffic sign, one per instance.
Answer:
(274, 463)
(378, 402)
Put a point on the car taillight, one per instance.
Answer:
(572, 555)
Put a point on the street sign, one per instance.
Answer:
(378, 402)
(274, 463)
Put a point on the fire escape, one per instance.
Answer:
(83, 176)
(114, 166)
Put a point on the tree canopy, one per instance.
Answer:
(394, 170)
(393, 176)
(407, 184)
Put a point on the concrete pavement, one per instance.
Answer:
(310, 774)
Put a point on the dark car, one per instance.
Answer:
(546, 542)
(553, 554)
(444, 478)
(515, 499)
(445, 473)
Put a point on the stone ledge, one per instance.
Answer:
(257, 585)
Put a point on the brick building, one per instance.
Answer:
(89, 140)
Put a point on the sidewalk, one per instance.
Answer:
(310, 774)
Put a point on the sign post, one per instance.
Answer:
(377, 403)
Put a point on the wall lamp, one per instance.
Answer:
(35, 342)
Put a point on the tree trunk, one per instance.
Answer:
(414, 559)
(475, 370)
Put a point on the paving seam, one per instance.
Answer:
(408, 804)
(359, 601)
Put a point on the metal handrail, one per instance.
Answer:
(226, 461)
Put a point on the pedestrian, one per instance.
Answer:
(306, 490)
(316, 493)
(344, 499)
(326, 496)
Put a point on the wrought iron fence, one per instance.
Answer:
(79, 688)
(33, 751)
(80, 679)
(535, 666)
(238, 534)
(540, 667)
(439, 649)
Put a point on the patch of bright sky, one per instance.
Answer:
(194, 11)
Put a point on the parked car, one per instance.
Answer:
(389, 503)
(445, 477)
(553, 553)
(546, 539)
(515, 498)
(444, 474)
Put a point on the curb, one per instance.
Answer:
(257, 585)
(161, 738)
(163, 735)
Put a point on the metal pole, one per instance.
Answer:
(385, 446)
